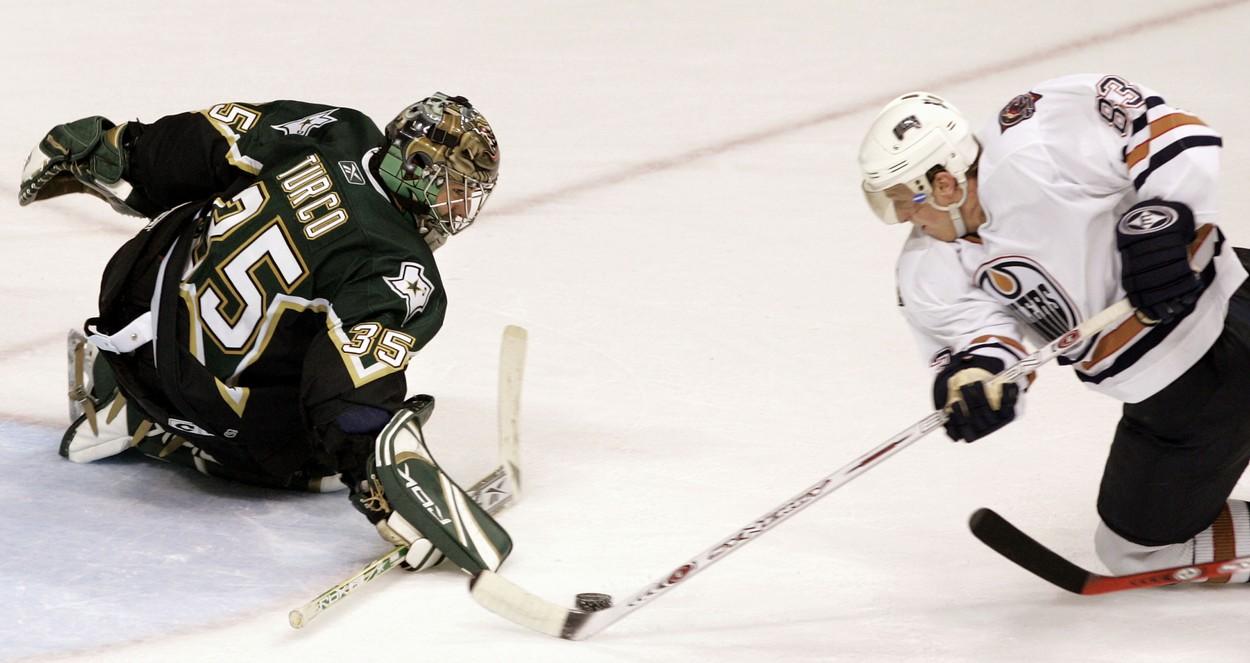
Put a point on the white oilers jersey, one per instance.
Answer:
(944, 309)
(1058, 167)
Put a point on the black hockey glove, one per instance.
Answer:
(1153, 237)
(975, 407)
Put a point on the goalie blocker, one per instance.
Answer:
(420, 506)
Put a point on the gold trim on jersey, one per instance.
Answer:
(233, 298)
(356, 369)
(1005, 340)
(225, 118)
(235, 397)
(1112, 343)
(1158, 128)
(1008, 341)
(195, 337)
(224, 224)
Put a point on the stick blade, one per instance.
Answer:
(1007, 540)
(508, 600)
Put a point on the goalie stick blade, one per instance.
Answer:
(1006, 539)
(504, 598)
(508, 600)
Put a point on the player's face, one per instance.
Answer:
(459, 201)
(932, 221)
(454, 200)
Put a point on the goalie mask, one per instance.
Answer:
(441, 163)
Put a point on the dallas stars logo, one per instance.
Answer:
(412, 285)
(305, 125)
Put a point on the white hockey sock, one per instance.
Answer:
(1228, 537)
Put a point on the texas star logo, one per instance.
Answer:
(413, 286)
(1030, 293)
(305, 125)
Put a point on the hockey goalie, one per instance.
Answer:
(258, 328)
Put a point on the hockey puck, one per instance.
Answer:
(593, 601)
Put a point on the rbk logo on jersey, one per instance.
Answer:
(305, 125)
(1144, 220)
(1019, 109)
(1030, 293)
(351, 171)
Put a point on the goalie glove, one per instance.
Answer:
(975, 407)
(366, 493)
(367, 497)
(83, 156)
(1153, 237)
(412, 502)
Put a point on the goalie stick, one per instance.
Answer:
(495, 491)
(1007, 540)
(595, 613)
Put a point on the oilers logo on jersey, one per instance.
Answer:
(1030, 293)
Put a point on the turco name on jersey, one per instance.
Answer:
(1058, 168)
(299, 290)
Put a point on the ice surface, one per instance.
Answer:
(712, 327)
(125, 548)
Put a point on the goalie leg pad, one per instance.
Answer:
(426, 503)
(102, 431)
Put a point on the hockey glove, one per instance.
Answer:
(1153, 238)
(83, 156)
(367, 495)
(975, 407)
(412, 502)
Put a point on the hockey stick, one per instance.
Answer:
(1007, 540)
(495, 491)
(595, 612)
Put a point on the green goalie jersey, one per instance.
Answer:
(288, 287)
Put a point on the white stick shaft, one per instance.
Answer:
(597, 621)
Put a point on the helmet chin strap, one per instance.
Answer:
(957, 218)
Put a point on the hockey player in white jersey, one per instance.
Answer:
(1083, 191)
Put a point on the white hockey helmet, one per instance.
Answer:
(910, 137)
